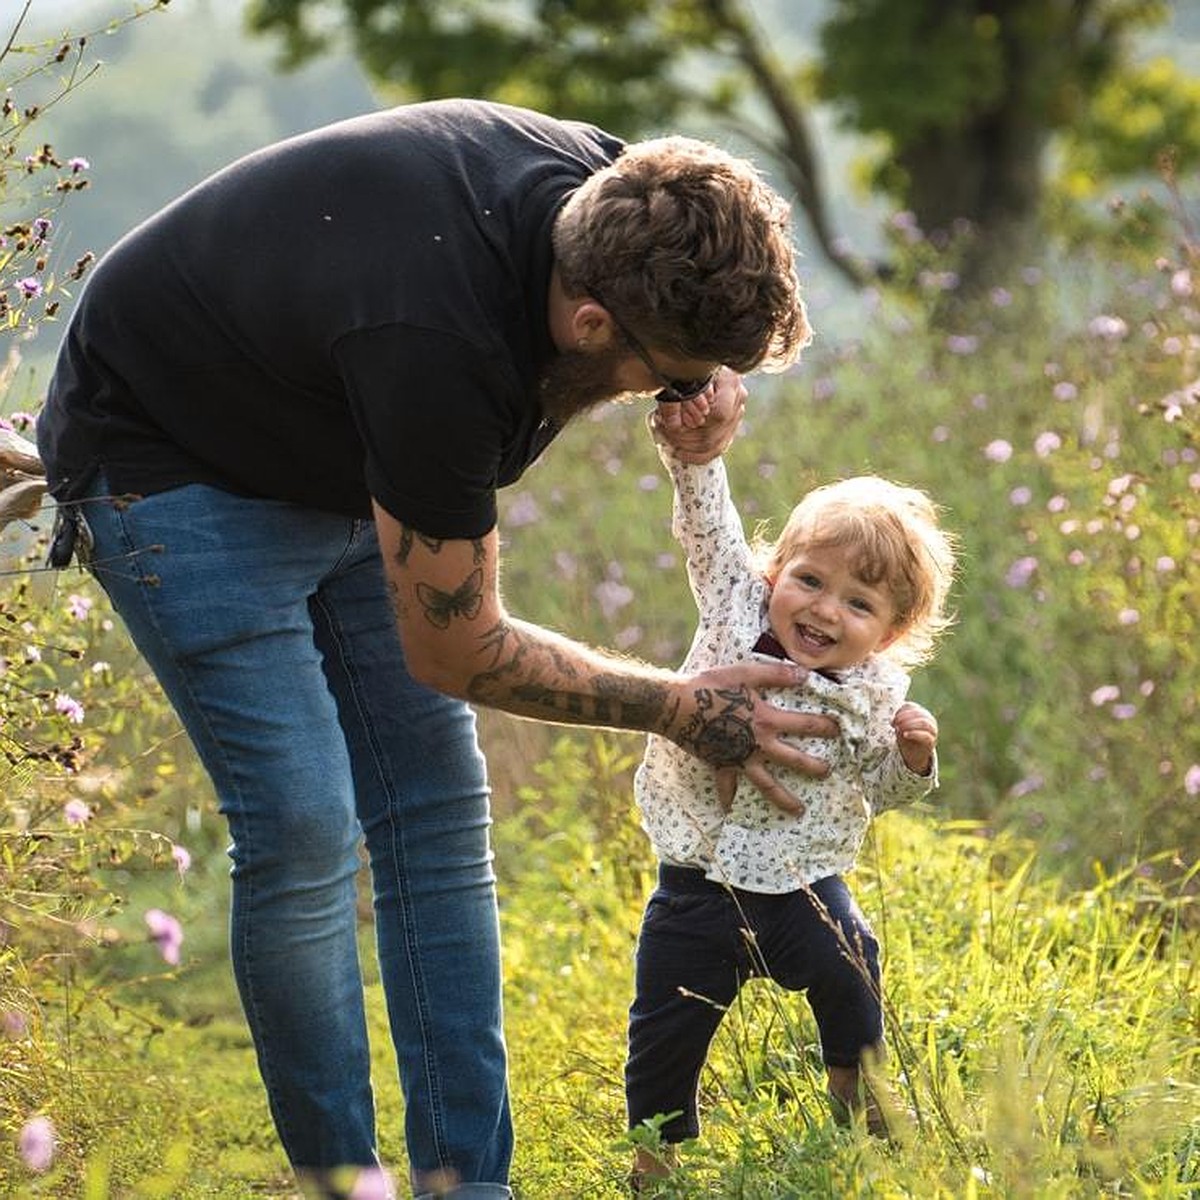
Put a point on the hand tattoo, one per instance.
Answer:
(720, 732)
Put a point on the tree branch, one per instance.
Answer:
(796, 149)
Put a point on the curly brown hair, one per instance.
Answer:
(693, 251)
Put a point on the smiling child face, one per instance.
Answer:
(824, 615)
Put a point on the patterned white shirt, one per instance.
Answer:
(756, 846)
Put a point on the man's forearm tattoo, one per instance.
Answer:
(546, 682)
(720, 730)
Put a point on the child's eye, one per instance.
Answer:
(862, 606)
(810, 581)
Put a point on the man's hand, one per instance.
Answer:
(725, 721)
(916, 732)
(700, 429)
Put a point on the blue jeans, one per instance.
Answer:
(270, 629)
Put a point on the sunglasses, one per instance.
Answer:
(673, 391)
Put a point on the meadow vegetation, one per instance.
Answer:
(1038, 914)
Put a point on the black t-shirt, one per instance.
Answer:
(357, 312)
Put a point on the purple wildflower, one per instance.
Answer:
(76, 812)
(69, 707)
(1191, 780)
(14, 1023)
(612, 595)
(1108, 328)
(78, 606)
(1046, 443)
(37, 1143)
(166, 933)
(1021, 571)
(29, 287)
(998, 451)
(523, 510)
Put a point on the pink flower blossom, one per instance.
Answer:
(78, 164)
(612, 595)
(1020, 496)
(998, 451)
(78, 606)
(1164, 563)
(29, 287)
(1021, 572)
(1026, 786)
(1108, 328)
(69, 707)
(14, 1023)
(1124, 712)
(183, 859)
(37, 1143)
(1181, 283)
(1191, 780)
(1105, 694)
(962, 343)
(1128, 616)
(1057, 504)
(1065, 390)
(166, 933)
(76, 812)
(522, 510)
(1046, 443)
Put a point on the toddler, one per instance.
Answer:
(855, 590)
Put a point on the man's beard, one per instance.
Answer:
(574, 382)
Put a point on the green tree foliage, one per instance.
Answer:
(963, 100)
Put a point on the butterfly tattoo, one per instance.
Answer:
(464, 601)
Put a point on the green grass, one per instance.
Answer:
(1044, 1040)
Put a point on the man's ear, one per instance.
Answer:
(591, 325)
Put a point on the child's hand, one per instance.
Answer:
(701, 429)
(916, 732)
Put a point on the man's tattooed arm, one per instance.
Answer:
(459, 639)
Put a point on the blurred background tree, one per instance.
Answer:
(991, 121)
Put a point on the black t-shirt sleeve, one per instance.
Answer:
(435, 414)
